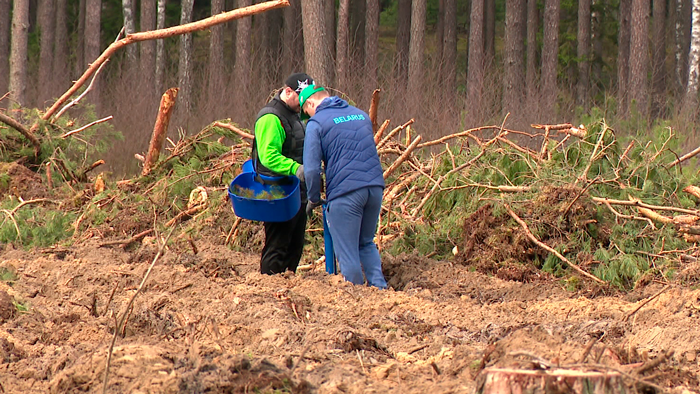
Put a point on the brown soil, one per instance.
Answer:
(211, 323)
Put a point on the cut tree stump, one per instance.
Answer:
(511, 381)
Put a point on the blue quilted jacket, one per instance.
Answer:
(340, 136)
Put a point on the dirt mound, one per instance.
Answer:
(21, 181)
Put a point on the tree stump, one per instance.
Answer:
(552, 381)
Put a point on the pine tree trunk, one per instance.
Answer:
(550, 52)
(148, 49)
(4, 47)
(93, 15)
(489, 33)
(343, 45)
(658, 73)
(671, 43)
(684, 39)
(623, 55)
(371, 49)
(216, 52)
(293, 48)
(80, 46)
(475, 72)
(129, 28)
(531, 65)
(357, 38)
(639, 56)
(416, 68)
(242, 68)
(691, 93)
(60, 57)
(184, 69)
(513, 79)
(47, 22)
(160, 49)
(403, 37)
(440, 35)
(18, 51)
(597, 38)
(318, 64)
(449, 51)
(583, 52)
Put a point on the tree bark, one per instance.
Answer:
(475, 72)
(684, 39)
(148, 48)
(357, 35)
(440, 34)
(531, 65)
(80, 46)
(550, 52)
(623, 55)
(293, 47)
(583, 52)
(242, 68)
(184, 69)
(160, 49)
(216, 51)
(639, 56)
(597, 38)
(403, 38)
(415, 55)
(513, 58)
(4, 45)
(129, 28)
(18, 51)
(318, 64)
(60, 57)
(160, 130)
(93, 14)
(343, 46)
(658, 73)
(449, 49)
(371, 48)
(691, 93)
(47, 22)
(490, 33)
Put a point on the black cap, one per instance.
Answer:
(298, 81)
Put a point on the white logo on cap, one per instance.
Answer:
(302, 84)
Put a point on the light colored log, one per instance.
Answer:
(160, 130)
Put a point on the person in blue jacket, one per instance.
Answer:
(341, 137)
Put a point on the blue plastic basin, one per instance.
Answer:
(247, 166)
(262, 210)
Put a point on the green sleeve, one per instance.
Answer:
(270, 136)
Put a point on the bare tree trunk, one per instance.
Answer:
(329, 8)
(93, 15)
(148, 49)
(490, 33)
(293, 47)
(691, 93)
(672, 42)
(449, 51)
(583, 52)
(4, 46)
(440, 34)
(639, 56)
(371, 49)
(59, 71)
(623, 55)
(684, 39)
(216, 52)
(475, 72)
(80, 46)
(343, 46)
(18, 51)
(531, 65)
(597, 38)
(550, 52)
(513, 81)
(184, 69)
(403, 37)
(47, 21)
(357, 38)
(242, 67)
(415, 55)
(318, 64)
(160, 49)
(658, 73)
(129, 28)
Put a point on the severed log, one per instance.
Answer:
(380, 132)
(547, 248)
(692, 190)
(563, 128)
(160, 130)
(685, 157)
(393, 132)
(235, 129)
(373, 106)
(202, 24)
(402, 158)
(559, 380)
(22, 130)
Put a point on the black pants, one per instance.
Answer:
(284, 243)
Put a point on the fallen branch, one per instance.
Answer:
(638, 203)
(380, 132)
(121, 324)
(648, 300)
(393, 132)
(87, 126)
(234, 230)
(235, 129)
(22, 130)
(547, 248)
(126, 242)
(402, 158)
(685, 157)
(182, 214)
(692, 190)
(465, 133)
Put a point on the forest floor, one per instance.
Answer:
(209, 322)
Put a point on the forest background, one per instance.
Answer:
(450, 64)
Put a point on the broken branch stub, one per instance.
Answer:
(160, 130)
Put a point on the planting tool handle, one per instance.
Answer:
(331, 266)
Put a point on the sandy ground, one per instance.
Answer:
(211, 323)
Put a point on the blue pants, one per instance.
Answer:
(352, 219)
